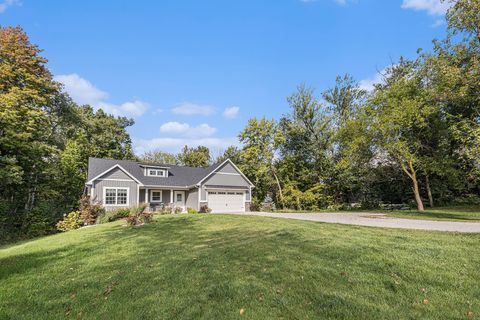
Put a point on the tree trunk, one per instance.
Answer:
(279, 187)
(429, 191)
(416, 192)
(412, 174)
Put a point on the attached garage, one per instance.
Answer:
(226, 201)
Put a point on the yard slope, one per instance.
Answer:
(211, 266)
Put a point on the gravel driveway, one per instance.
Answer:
(375, 220)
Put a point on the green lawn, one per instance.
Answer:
(211, 266)
(466, 213)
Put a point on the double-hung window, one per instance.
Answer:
(156, 196)
(116, 196)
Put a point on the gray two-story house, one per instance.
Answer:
(122, 184)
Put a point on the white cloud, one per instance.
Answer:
(433, 7)
(175, 144)
(8, 3)
(83, 91)
(368, 84)
(438, 23)
(189, 109)
(201, 130)
(231, 112)
(131, 108)
(185, 130)
(174, 127)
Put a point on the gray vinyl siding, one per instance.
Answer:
(248, 195)
(98, 186)
(141, 199)
(115, 174)
(192, 198)
(227, 168)
(226, 180)
(166, 196)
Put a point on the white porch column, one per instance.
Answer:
(171, 195)
(146, 195)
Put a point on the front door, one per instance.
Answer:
(179, 199)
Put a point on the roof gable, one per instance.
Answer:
(217, 167)
(115, 166)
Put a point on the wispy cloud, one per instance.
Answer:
(8, 3)
(129, 109)
(175, 144)
(186, 130)
(83, 91)
(191, 109)
(369, 83)
(432, 7)
(231, 112)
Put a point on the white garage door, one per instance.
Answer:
(226, 201)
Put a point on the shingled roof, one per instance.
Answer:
(178, 176)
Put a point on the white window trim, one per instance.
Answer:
(116, 197)
(184, 197)
(150, 196)
(157, 170)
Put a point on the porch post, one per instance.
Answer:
(146, 196)
(171, 196)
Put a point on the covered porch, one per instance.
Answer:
(158, 198)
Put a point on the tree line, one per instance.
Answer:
(414, 138)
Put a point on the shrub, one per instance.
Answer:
(310, 199)
(138, 210)
(146, 217)
(205, 209)
(113, 215)
(268, 204)
(178, 210)
(90, 210)
(166, 210)
(122, 213)
(255, 206)
(71, 221)
(191, 211)
(139, 216)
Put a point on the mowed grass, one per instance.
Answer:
(211, 266)
(464, 213)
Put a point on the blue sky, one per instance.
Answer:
(193, 72)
